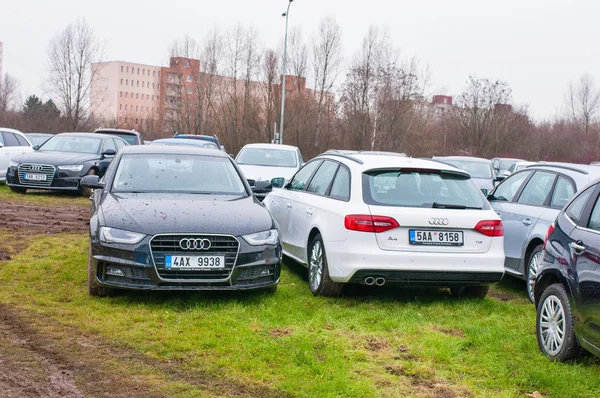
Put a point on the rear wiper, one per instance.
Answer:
(436, 205)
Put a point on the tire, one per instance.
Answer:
(470, 291)
(549, 327)
(93, 288)
(319, 282)
(533, 263)
(87, 192)
(18, 190)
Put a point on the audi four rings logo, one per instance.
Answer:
(438, 221)
(36, 167)
(195, 244)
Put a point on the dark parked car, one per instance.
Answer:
(186, 142)
(528, 201)
(132, 137)
(62, 161)
(37, 139)
(178, 218)
(567, 289)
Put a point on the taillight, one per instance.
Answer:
(550, 230)
(490, 227)
(368, 223)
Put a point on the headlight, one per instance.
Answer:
(12, 164)
(113, 235)
(71, 167)
(270, 237)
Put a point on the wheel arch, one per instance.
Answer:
(533, 243)
(313, 232)
(547, 278)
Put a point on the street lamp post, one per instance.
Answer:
(286, 15)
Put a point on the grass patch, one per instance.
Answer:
(48, 198)
(377, 342)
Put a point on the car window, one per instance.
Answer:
(301, 178)
(10, 139)
(22, 141)
(475, 169)
(119, 144)
(512, 168)
(341, 185)
(563, 192)
(537, 189)
(594, 222)
(1, 139)
(323, 178)
(109, 144)
(575, 209)
(509, 187)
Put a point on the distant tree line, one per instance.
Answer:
(375, 100)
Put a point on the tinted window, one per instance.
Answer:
(109, 144)
(341, 185)
(10, 139)
(507, 190)
(323, 178)
(77, 144)
(119, 144)
(301, 178)
(595, 217)
(420, 189)
(563, 192)
(130, 139)
(537, 189)
(22, 141)
(193, 174)
(575, 209)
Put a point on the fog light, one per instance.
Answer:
(114, 271)
(265, 272)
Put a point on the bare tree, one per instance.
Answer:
(9, 87)
(73, 56)
(583, 102)
(327, 57)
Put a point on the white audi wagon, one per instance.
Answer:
(375, 217)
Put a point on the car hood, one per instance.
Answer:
(55, 158)
(184, 213)
(484, 183)
(265, 173)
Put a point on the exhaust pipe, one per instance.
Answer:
(380, 281)
(369, 281)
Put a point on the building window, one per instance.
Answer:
(189, 78)
(127, 82)
(138, 83)
(153, 98)
(152, 85)
(132, 95)
(153, 73)
(147, 97)
(186, 64)
(126, 93)
(143, 72)
(120, 107)
(136, 108)
(138, 71)
(136, 120)
(121, 68)
(125, 109)
(143, 84)
(120, 94)
(121, 82)
(147, 109)
(128, 69)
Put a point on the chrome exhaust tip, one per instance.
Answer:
(380, 281)
(369, 281)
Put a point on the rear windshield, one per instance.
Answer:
(130, 139)
(476, 169)
(426, 189)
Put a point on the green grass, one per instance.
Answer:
(42, 197)
(390, 342)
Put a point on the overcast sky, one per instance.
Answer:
(537, 46)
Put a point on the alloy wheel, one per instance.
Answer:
(534, 264)
(552, 325)
(315, 271)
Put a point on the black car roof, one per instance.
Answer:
(176, 149)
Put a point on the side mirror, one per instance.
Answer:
(109, 153)
(92, 182)
(261, 189)
(278, 182)
(36, 147)
(499, 178)
(231, 156)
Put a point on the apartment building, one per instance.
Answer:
(126, 94)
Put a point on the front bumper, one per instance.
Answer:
(352, 263)
(255, 267)
(61, 180)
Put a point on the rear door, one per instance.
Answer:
(10, 149)
(585, 255)
(437, 212)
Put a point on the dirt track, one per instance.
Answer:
(38, 219)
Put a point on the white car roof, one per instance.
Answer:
(372, 161)
(11, 131)
(272, 146)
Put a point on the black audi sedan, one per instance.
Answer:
(567, 288)
(178, 218)
(61, 162)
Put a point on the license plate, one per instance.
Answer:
(35, 177)
(194, 262)
(435, 238)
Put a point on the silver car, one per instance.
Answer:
(528, 202)
(481, 170)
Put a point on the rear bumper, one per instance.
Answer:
(346, 261)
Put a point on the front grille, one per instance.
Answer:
(42, 169)
(165, 245)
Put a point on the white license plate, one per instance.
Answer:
(194, 262)
(35, 177)
(435, 238)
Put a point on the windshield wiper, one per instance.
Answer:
(436, 205)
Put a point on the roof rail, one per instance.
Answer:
(385, 153)
(560, 166)
(337, 153)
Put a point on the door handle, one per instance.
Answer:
(309, 212)
(526, 221)
(577, 247)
